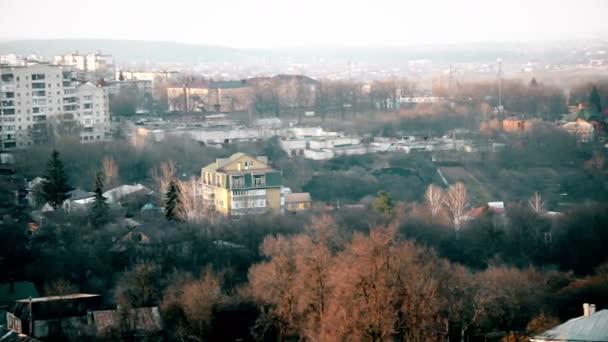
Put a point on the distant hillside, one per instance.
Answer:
(126, 50)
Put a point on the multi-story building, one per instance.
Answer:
(35, 97)
(13, 59)
(90, 67)
(159, 80)
(93, 114)
(241, 185)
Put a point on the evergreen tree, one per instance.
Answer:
(55, 187)
(172, 202)
(384, 203)
(533, 83)
(594, 99)
(100, 208)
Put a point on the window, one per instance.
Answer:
(238, 182)
(248, 163)
(259, 180)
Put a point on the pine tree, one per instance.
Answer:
(384, 203)
(533, 83)
(172, 202)
(595, 100)
(55, 187)
(100, 208)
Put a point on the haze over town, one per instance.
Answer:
(303, 171)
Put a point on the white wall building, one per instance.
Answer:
(91, 66)
(318, 154)
(93, 112)
(36, 96)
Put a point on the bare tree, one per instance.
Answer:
(456, 200)
(198, 299)
(536, 203)
(164, 175)
(434, 198)
(193, 207)
(110, 169)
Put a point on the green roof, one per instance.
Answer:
(588, 114)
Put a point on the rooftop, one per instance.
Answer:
(52, 298)
(591, 328)
(297, 197)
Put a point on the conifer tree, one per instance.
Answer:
(384, 203)
(595, 100)
(172, 202)
(100, 208)
(55, 187)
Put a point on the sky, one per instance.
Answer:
(287, 23)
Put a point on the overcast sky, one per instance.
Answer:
(277, 23)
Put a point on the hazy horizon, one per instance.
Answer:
(276, 24)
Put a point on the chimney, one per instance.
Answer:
(238, 166)
(591, 309)
(586, 309)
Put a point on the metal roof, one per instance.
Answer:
(592, 328)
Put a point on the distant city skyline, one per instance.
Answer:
(284, 23)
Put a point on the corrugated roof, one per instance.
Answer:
(7, 335)
(592, 328)
(297, 197)
(142, 321)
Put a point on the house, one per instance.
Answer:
(116, 194)
(7, 335)
(13, 290)
(591, 327)
(298, 201)
(137, 324)
(241, 185)
(293, 146)
(514, 124)
(52, 317)
(78, 200)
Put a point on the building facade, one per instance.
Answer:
(36, 97)
(90, 67)
(242, 185)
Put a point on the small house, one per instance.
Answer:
(54, 317)
(299, 201)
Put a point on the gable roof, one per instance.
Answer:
(221, 162)
(592, 328)
(78, 194)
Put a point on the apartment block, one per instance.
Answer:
(36, 97)
(242, 185)
(89, 67)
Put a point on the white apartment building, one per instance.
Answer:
(14, 59)
(90, 67)
(36, 97)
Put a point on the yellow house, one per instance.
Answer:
(242, 185)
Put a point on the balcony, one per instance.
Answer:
(7, 87)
